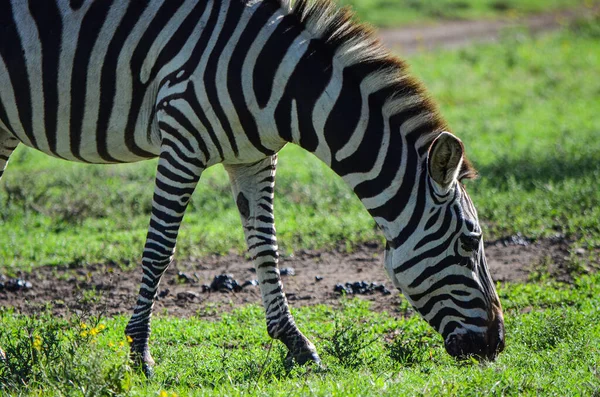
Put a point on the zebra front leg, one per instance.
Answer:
(7, 145)
(176, 179)
(252, 186)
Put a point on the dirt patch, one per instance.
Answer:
(456, 34)
(184, 289)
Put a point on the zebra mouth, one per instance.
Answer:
(480, 345)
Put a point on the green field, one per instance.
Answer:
(553, 348)
(393, 13)
(527, 111)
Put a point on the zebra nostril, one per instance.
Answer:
(470, 242)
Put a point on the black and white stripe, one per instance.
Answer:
(197, 83)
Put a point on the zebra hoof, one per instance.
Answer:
(305, 357)
(143, 361)
(148, 370)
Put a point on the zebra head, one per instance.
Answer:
(439, 262)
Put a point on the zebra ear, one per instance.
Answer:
(445, 159)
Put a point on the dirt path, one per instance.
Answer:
(112, 290)
(455, 34)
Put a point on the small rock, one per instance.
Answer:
(253, 283)
(163, 293)
(580, 251)
(225, 283)
(361, 288)
(287, 271)
(185, 278)
(318, 278)
(341, 288)
(15, 284)
(187, 295)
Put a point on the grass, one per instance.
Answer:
(392, 13)
(553, 344)
(526, 111)
(536, 144)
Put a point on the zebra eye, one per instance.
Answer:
(470, 242)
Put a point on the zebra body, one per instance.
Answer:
(196, 83)
(113, 83)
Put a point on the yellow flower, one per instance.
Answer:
(94, 332)
(121, 344)
(163, 394)
(129, 339)
(84, 334)
(101, 327)
(37, 342)
(83, 326)
(110, 344)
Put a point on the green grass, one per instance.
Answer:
(553, 348)
(527, 111)
(58, 212)
(391, 13)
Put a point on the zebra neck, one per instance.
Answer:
(337, 92)
(371, 130)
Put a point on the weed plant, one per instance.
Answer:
(62, 356)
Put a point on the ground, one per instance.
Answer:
(112, 290)
(460, 33)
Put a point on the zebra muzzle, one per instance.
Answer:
(481, 345)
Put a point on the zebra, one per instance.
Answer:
(202, 82)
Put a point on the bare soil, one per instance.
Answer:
(112, 290)
(456, 34)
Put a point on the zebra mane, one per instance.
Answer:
(354, 42)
